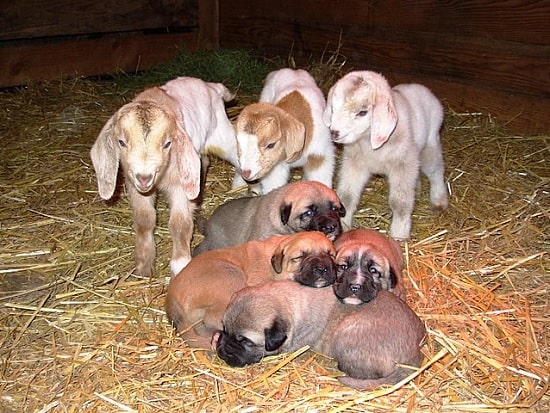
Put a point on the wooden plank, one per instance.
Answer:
(512, 20)
(38, 18)
(497, 65)
(520, 114)
(209, 18)
(21, 64)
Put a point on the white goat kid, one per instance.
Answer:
(390, 132)
(285, 130)
(157, 139)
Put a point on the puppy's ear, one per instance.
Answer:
(277, 260)
(285, 213)
(393, 278)
(276, 335)
(342, 210)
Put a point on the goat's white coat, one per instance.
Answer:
(391, 132)
(205, 118)
(277, 85)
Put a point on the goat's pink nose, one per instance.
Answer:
(144, 180)
(246, 173)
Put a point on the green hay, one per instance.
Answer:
(239, 70)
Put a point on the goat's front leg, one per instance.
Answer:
(145, 220)
(353, 177)
(181, 228)
(402, 190)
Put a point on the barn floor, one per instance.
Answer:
(80, 332)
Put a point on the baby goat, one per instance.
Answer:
(157, 140)
(285, 130)
(387, 131)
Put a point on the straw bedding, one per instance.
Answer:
(80, 332)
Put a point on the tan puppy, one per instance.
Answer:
(298, 206)
(367, 261)
(373, 343)
(199, 294)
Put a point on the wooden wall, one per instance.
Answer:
(50, 39)
(486, 55)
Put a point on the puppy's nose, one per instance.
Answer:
(328, 229)
(334, 134)
(320, 270)
(355, 288)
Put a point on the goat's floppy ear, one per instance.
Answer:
(188, 162)
(384, 114)
(105, 154)
(275, 336)
(294, 135)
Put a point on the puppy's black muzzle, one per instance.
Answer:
(237, 353)
(352, 291)
(329, 224)
(317, 271)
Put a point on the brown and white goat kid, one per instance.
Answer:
(390, 132)
(156, 140)
(285, 130)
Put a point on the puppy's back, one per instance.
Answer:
(229, 224)
(374, 339)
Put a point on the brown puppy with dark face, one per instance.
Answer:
(374, 343)
(367, 261)
(297, 206)
(199, 294)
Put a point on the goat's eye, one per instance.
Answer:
(122, 143)
(361, 113)
(270, 145)
(167, 145)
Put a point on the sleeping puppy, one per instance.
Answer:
(367, 261)
(298, 206)
(199, 294)
(374, 343)
(285, 130)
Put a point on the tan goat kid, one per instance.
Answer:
(147, 138)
